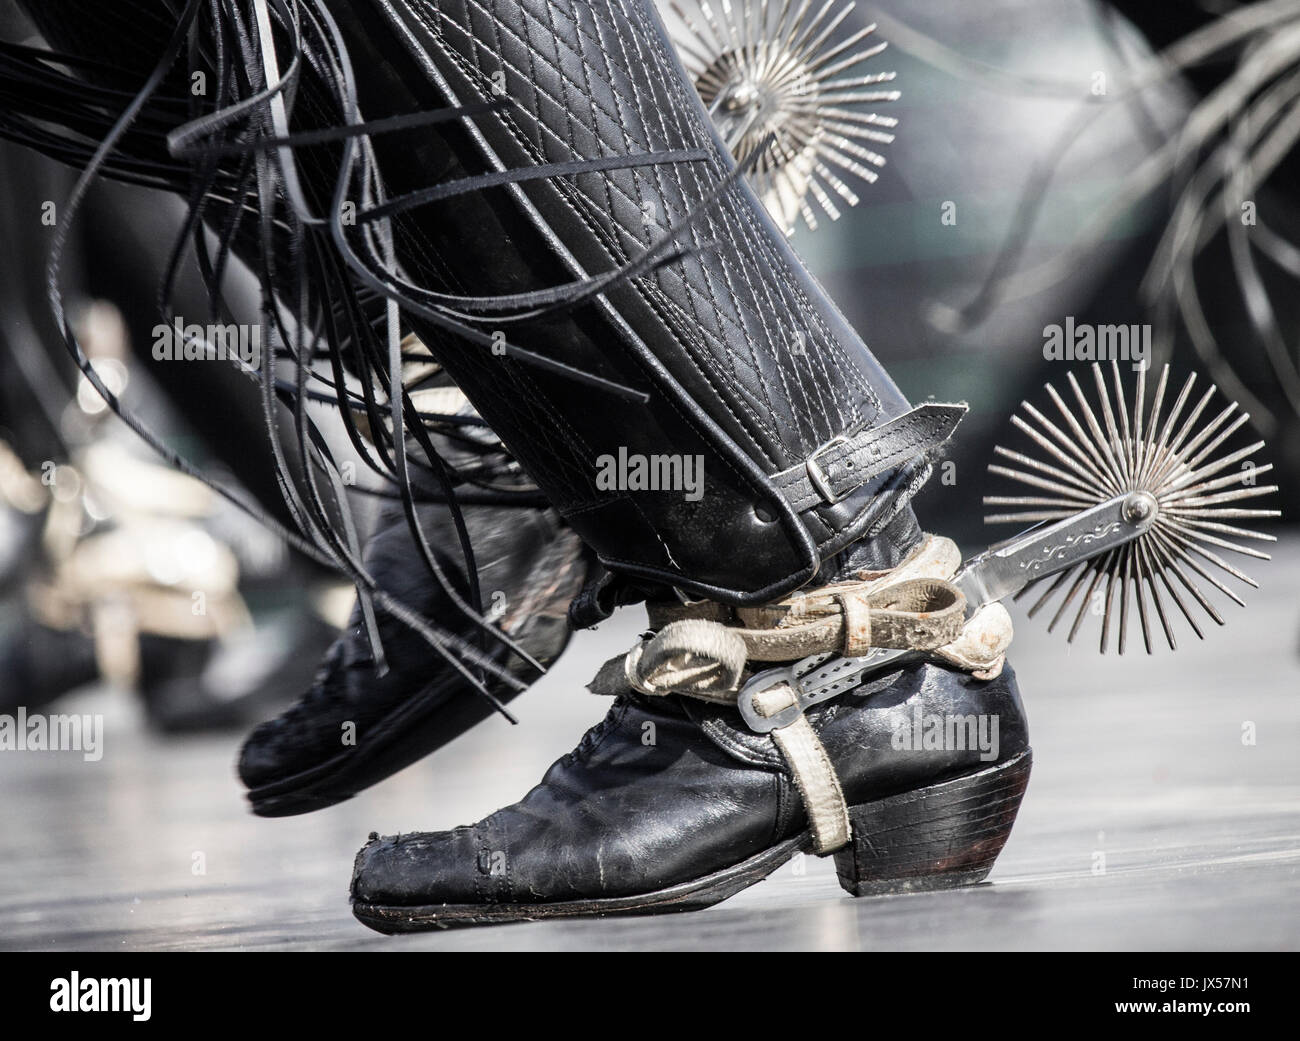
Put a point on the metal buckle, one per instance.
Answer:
(817, 476)
(790, 675)
(813, 680)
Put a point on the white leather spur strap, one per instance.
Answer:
(814, 773)
(703, 651)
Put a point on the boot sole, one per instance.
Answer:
(943, 836)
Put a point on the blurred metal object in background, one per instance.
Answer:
(779, 69)
(1230, 170)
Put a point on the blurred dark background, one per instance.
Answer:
(987, 99)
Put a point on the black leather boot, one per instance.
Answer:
(669, 805)
(674, 803)
(356, 726)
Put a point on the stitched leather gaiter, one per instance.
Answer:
(747, 364)
(748, 377)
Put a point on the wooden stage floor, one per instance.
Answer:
(1138, 759)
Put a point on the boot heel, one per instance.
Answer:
(940, 837)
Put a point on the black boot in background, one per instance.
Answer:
(355, 727)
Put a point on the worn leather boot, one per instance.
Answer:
(357, 724)
(621, 825)
(674, 804)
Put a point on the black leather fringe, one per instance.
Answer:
(274, 159)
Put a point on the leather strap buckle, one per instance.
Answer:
(848, 461)
(817, 476)
(813, 680)
(786, 675)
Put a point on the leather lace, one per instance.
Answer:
(333, 290)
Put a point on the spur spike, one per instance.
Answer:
(796, 72)
(1121, 440)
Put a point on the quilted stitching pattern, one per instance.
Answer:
(735, 307)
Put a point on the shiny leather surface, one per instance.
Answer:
(664, 791)
(530, 566)
(746, 361)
